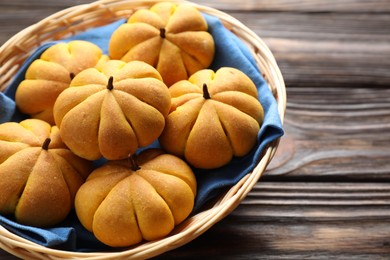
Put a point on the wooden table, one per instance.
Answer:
(326, 194)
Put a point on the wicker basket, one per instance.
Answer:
(82, 17)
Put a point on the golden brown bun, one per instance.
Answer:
(172, 38)
(112, 111)
(38, 184)
(49, 75)
(209, 131)
(122, 206)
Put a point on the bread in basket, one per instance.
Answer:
(81, 18)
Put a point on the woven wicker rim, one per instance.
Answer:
(82, 17)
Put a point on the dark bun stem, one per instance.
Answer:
(45, 145)
(206, 93)
(71, 75)
(110, 86)
(133, 164)
(162, 33)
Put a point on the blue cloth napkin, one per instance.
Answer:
(230, 52)
(7, 108)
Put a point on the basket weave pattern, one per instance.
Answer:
(79, 18)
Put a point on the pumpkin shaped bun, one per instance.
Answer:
(172, 38)
(49, 75)
(111, 111)
(39, 176)
(214, 116)
(124, 202)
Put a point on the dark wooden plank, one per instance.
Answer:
(315, 6)
(375, 6)
(6, 256)
(299, 220)
(335, 133)
(42, 4)
(326, 49)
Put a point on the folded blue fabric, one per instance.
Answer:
(45, 237)
(230, 52)
(7, 108)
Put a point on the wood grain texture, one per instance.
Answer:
(335, 133)
(301, 220)
(314, 6)
(326, 49)
(326, 194)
